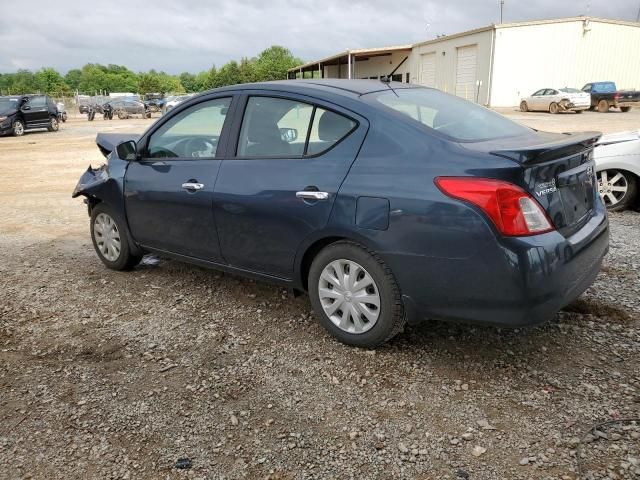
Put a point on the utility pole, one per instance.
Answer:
(501, 8)
(638, 15)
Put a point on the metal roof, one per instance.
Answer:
(382, 50)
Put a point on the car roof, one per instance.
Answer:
(333, 85)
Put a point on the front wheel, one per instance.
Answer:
(625, 109)
(110, 239)
(617, 188)
(524, 107)
(355, 295)
(53, 124)
(18, 128)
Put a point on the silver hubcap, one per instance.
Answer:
(107, 236)
(18, 128)
(349, 296)
(612, 186)
(54, 123)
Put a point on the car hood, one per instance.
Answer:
(576, 96)
(619, 137)
(107, 142)
(6, 113)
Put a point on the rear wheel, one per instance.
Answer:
(18, 128)
(617, 188)
(625, 109)
(355, 295)
(553, 108)
(603, 106)
(110, 239)
(53, 124)
(523, 106)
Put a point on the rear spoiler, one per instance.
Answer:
(558, 146)
(107, 142)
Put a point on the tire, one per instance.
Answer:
(91, 116)
(553, 108)
(610, 184)
(54, 126)
(342, 258)
(18, 128)
(523, 106)
(64, 117)
(102, 220)
(603, 106)
(625, 109)
(122, 115)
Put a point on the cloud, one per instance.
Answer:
(192, 35)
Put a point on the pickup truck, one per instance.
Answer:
(605, 95)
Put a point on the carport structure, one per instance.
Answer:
(359, 63)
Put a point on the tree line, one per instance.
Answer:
(93, 78)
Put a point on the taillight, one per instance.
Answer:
(513, 211)
(616, 96)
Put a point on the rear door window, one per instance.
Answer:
(286, 128)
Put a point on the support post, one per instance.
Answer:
(349, 66)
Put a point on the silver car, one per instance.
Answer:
(556, 100)
(617, 159)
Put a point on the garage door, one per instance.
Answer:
(466, 71)
(428, 69)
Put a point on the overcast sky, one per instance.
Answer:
(192, 35)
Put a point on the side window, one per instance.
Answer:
(37, 102)
(587, 88)
(193, 133)
(277, 127)
(538, 93)
(274, 127)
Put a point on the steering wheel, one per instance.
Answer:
(199, 147)
(163, 153)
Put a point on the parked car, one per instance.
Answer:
(174, 101)
(555, 100)
(605, 95)
(124, 107)
(617, 159)
(387, 202)
(27, 112)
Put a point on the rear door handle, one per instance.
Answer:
(192, 186)
(312, 195)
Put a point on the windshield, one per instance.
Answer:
(8, 104)
(449, 115)
(570, 90)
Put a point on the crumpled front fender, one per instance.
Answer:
(91, 182)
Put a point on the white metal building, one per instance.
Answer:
(498, 64)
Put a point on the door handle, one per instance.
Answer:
(312, 195)
(192, 186)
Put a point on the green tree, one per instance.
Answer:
(149, 82)
(50, 81)
(229, 74)
(73, 77)
(273, 63)
(248, 70)
(189, 82)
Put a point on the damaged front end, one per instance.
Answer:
(106, 182)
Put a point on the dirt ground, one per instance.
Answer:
(118, 375)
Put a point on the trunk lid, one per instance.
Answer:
(557, 169)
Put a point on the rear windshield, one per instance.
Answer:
(604, 87)
(449, 115)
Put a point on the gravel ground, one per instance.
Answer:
(119, 375)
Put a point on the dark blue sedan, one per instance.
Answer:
(388, 203)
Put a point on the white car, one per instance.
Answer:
(556, 100)
(174, 101)
(617, 159)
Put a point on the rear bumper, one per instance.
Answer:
(520, 282)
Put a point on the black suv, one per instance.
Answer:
(27, 112)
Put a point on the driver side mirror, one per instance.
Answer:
(289, 134)
(127, 150)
